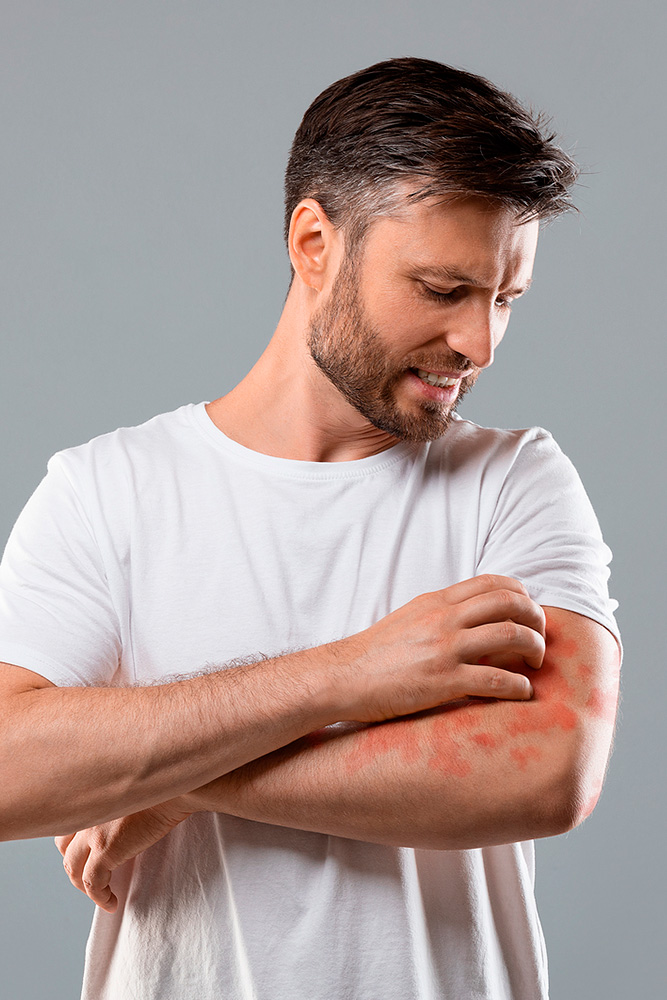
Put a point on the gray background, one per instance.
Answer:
(143, 145)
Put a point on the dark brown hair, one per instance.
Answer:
(442, 129)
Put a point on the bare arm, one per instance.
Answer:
(460, 776)
(463, 776)
(117, 751)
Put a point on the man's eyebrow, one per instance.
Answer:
(449, 276)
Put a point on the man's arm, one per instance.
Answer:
(116, 751)
(456, 777)
(463, 776)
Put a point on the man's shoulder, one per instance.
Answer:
(468, 444)
(142, 444)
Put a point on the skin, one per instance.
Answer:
(437, 694)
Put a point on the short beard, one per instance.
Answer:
(347, 349)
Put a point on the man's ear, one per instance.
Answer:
(314, 244)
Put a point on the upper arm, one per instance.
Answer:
(541, 761)
(16, 680)
(576, 699)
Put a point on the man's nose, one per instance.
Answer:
(475, 334)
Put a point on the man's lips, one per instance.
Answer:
(444, 390)
(444, 374)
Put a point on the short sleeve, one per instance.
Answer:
(56, 613)
(544, 532)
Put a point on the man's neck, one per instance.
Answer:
(287, 408)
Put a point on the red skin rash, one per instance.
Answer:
(454, 726)
(382, 738)
(458, 729)
(524, 755)
(549, 706)
(584, 672)
(450, 725)
(486, 740)
(451, 728)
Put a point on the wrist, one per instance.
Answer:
(211, 797)
(341, 690)
(187, 804)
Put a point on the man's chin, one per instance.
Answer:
(418, 428)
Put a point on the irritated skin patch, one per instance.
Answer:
(384, 737)
(523, 755)
(486, 740)
(457, 734)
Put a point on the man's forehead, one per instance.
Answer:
(460, 240)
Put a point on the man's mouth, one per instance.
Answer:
(442, 380)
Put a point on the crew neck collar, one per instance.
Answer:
(295, 468)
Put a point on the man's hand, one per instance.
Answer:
(91, 856)
(433, 650)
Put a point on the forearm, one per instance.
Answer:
(418, 782)
(487, 772)
(74, 757)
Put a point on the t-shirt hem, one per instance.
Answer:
(19, 655)
(554, 599)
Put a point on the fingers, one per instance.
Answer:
(62, 843)
(502, 605)
(487, 583)
(505, 637)
(499, 616)
(96, 878)
(92, 855)
(75, 857)
(491, 682)
(88, 868)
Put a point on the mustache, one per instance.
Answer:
(458, 365)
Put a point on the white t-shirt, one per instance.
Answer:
(167, 549)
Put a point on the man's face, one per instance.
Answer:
(419, 309)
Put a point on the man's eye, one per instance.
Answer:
(504, 301)
(440, 296)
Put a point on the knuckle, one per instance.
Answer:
(509, 631)
(507, 599)
(432, 604)
(98, 840)
(497, 680)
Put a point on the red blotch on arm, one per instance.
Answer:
(550, 705)
(455, 733)
(401, 735)
(524, 755)
(486, 740)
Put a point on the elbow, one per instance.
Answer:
(574, 800)
(581, 804)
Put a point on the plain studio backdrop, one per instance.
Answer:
(144, 143)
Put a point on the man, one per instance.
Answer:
(320, 659)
